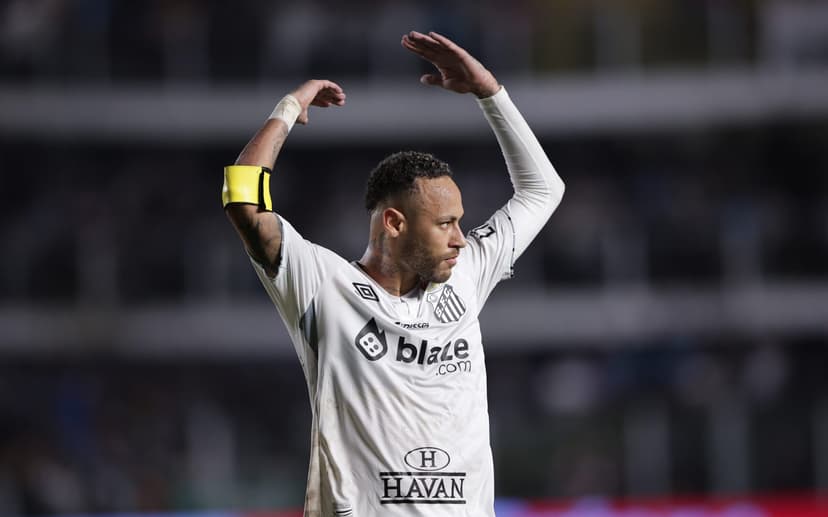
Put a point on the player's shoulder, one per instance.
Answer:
(293, 240)
(307, 261)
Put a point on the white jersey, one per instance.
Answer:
(398, 388)
(400, 419)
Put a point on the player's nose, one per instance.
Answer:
(457, 238)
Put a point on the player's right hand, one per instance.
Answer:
(317, 92)
(457, 70)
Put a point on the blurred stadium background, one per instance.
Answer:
(662, 342)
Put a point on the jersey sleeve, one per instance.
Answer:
(490, 253)
(303, 267)
(538, 187)
(494, 246)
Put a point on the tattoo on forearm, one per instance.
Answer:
(264, 147)
(280, 140)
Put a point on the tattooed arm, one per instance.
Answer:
(260, 229)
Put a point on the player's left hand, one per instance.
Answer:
(317, 92)
(458, 70)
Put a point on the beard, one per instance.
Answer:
(427, 267)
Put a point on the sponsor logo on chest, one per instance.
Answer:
(450, 357)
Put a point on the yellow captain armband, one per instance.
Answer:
(247, 184)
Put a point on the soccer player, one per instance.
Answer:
(390, 344)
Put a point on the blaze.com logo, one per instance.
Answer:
(451, 357)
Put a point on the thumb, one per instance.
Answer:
(432, 80)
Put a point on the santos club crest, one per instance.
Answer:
(448, 307)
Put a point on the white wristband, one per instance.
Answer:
(288, 110)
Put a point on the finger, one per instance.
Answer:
(329, 102)
(450, 46)
(338, 94)
(412, 45)
(338, 100)
(329, 97)
(322, 101)
(333, 97)
(331, 86)
(443, 41)
(330, 93)
(320, 85)
(427, 50)
(421, 51)
(424, 39)
(423, 42)
(431, 80)
(309, 90)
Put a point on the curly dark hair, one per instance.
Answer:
(396, 174)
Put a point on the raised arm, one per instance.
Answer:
(538, 188)
(257, 225)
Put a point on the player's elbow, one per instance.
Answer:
(553, 190)
(557, 188)
(544, 197)
(241, 213)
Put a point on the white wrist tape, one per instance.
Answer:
(288, 110)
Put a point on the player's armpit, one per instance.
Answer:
(261, 233)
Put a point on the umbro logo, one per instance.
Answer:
(366, 292)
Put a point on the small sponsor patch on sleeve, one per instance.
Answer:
(483, 231)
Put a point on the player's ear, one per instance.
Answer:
(393, 222)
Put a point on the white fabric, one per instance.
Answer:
(287, 110)
(538, 188)
(400, 417)
(408, 305)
